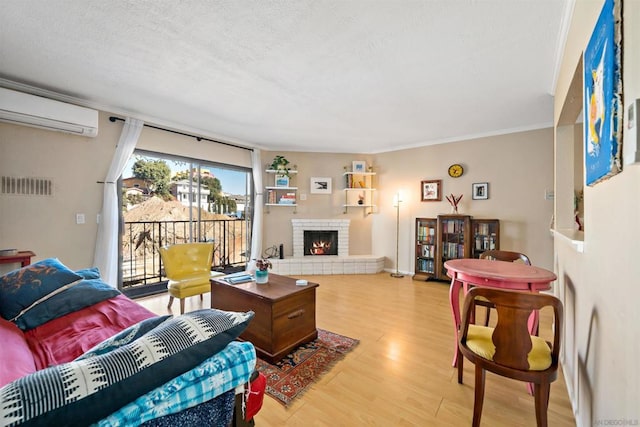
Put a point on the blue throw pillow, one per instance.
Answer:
(76, 297)
(89, 273)
(123, 338)
(21, 288)
(84, 391)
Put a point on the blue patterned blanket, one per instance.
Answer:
(224, 371)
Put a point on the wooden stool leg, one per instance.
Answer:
(170, 301)
(182, 305)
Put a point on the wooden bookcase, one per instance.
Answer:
(450, 237)
(486, 236)
(426, 232)
(454, 241)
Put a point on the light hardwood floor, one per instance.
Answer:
(400, 374)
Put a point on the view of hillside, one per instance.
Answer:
(169, 201)
(155, 223)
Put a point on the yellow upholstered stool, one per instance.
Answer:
(188, 268)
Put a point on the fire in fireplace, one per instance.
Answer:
(320, 242)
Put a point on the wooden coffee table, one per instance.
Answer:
(285, 314)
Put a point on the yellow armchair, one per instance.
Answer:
(188, 268)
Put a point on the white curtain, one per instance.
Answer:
(107, 247)
(258, 200)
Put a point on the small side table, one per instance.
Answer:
(23, 257)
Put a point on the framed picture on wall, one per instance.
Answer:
(320, 185)
(431, 191)
(480, 191)
(602, 97)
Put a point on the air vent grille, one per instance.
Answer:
(26, 186)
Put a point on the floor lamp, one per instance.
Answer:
(396, 204)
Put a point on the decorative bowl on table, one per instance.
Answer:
(8, 252)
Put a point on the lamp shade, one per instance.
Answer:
(397, 198)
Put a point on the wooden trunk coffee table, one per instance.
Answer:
(285, 314)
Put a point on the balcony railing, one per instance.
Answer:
(141, 264)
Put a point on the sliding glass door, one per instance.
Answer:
(169, 200)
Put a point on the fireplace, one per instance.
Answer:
(342, 263)
(339, 226)
(320, 242)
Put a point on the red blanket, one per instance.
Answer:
(63, 339)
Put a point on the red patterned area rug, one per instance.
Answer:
(291, 376)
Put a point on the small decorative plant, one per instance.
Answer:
(280, 164)
(263, 264)
(578, 197)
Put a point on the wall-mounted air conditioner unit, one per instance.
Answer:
(30, 110)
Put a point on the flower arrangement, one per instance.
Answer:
(263, 264)
(454, 201)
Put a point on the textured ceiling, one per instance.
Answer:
(332, 76)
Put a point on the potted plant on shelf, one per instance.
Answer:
(281, 165)
(262, 270)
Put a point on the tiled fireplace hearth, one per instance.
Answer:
(343, 263)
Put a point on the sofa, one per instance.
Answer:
(77, 352)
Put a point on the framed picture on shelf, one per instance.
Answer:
(431, 191)
(282, 181)
(359, 166)
(320, 185)
(480, 191)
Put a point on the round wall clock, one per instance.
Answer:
(455, 170)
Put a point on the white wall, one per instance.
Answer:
(599, 287)
(277, 219)
(509, 163)
(518, 168)
(47, 225)
(164, 142)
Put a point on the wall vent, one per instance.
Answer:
(26, 186)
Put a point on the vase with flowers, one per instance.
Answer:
(262, 270)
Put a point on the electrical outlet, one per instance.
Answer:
(549, 194)
(80, 218)
(631, 136)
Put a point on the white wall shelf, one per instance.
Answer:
(281, 188)
(359, 186)
(274, 194)
(280, 172)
